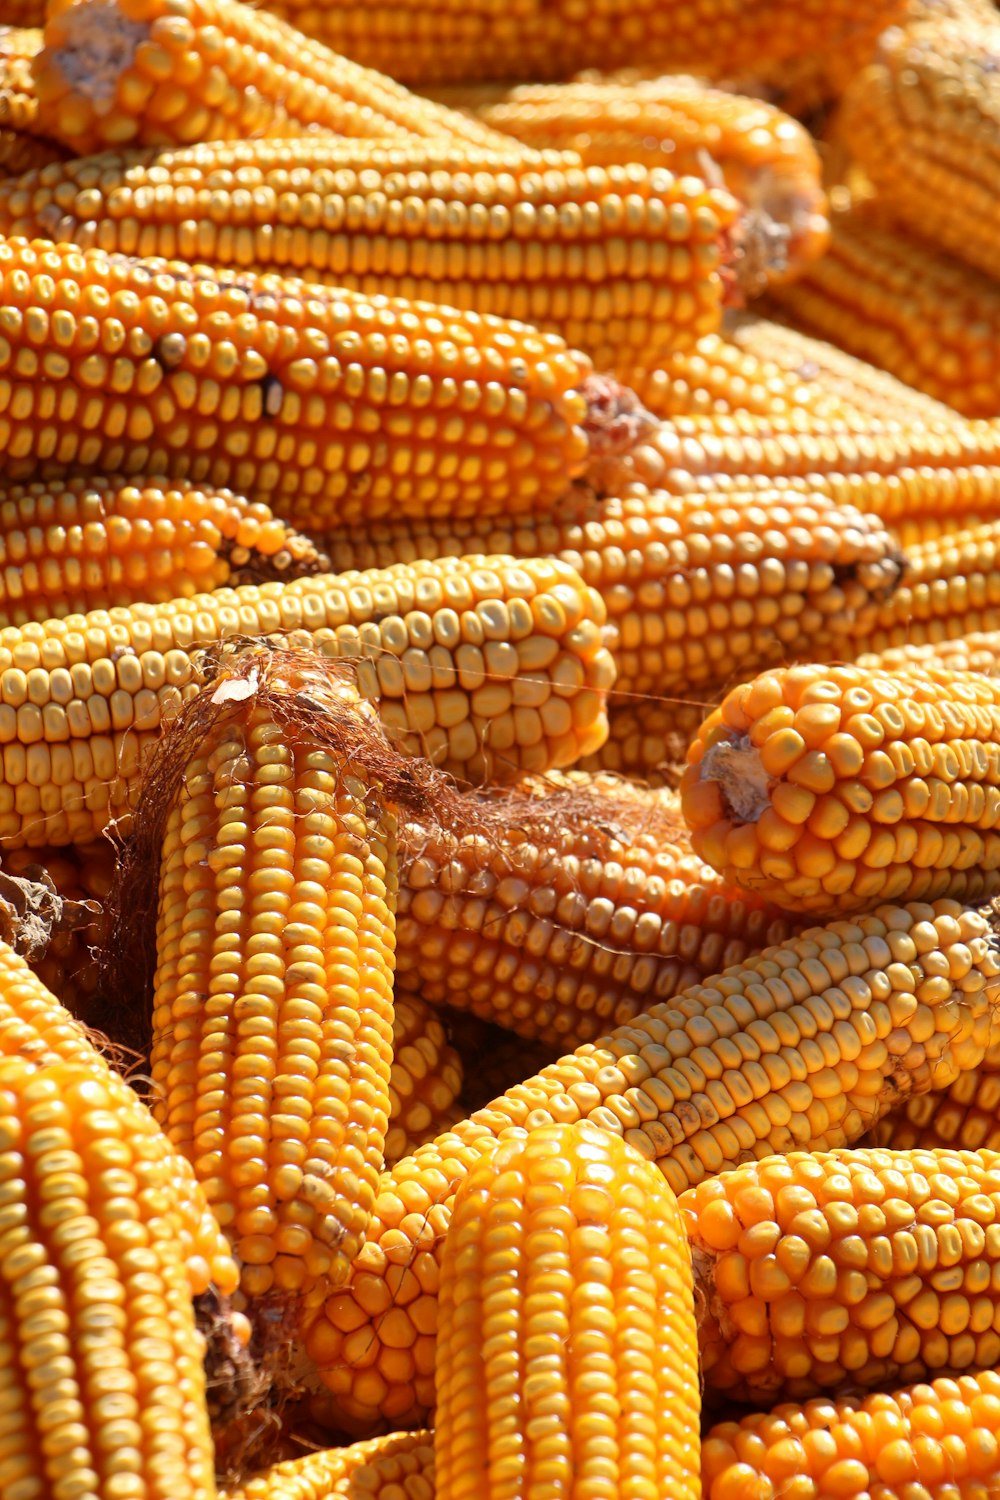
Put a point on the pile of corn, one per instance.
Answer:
(499, 750)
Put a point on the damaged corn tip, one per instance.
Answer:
(846, 1269)
(103, 1388)
(426, 1077)
(399, 1466)
(148, 72)
(621, 261)
(69, 546)
(567, 1335)
(827, 789)
(805, 1045)
(272, 998)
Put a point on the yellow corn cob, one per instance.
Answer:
(964, 1117)
(21, 147)
(397, 1467)
(272, 997)
(425, 1081)
(146, 72)
(697, 587)
(827, 788)
(805, 1045)
(68, 546)
(765, 158)
(331, 405)
(648, 739)
(924, 121)
(846, 1269)
(620, 261)
(976, 652)
(568, 1352)
(479, 664)
(103, 1389)
(938, 1442)
(593, 910)
(923, 316)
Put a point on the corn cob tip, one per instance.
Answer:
(616, 419)
(32, 912)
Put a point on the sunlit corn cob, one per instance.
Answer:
(397, 1467)
(481, 664)
(976, 652)
(333, 406)
(146, 72)
(924, 121)
(648, 738)
(935, 1442)
(620, 260)
(805, 1045)
(766, 159)
(592, 910)
(567, 1353)
(964, 1117)
(103, 1388)
(923, 316)
(425, 1081)
(69, 546)
(829, 788)
(21, 148)
(697, 587)
(847, 1269)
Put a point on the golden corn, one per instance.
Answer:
(69, 546)
(936, 1442)
(568, 1353)
(964, 1117)
(147, 72)
(765, 158)
(21, 148)
(621, 261)
(592, 910)
(483, 665)
(846, 1269)
(103, 1391)
(697, 586)
(397, 1467)
(426, 1077)
(923, 121)
(979, 651)
(805, 1045)
(648, 739)
(923, 316)
(828, 788)
(330, 405)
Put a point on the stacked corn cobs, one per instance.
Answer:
(499, 750)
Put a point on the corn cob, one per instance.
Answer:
(73, 545)
(827, 788)
(963, 1117)
(926, 318)
(806, 1045)
(149, 72)
(765, 158)
(480, 664)
(846, 1268)
(924, 122)
(568, 1354)
(976, 652)
(397, 1467)
(697, 587)
(648, 739)
(620, 261)
(331, 405)
(593, 910)
(935, 1442)
(426, 1078)
(21, 148)
(103, 1388)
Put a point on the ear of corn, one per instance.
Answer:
(828, 788)
(846, 1269)
(805, 1045)
(567, 1342)
(648, 739)
(74, 545)
(397, 1467)
(21, 147)
(426, 1077)
(145, 72)
(937, 1440)
(963, 1117)
(480, 663)
(977, 652)
(330, 405)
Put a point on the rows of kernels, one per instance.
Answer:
(805, 1045)
(719, 376)
(620, 261)
(399, 1466)
(856, 1268)
(426, 1077)
(938, 1440)
(829, 788)
(977, 652)
(964, 1116)
(328, 404)
(21, 149)
(568, 1342)
(648, 738)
